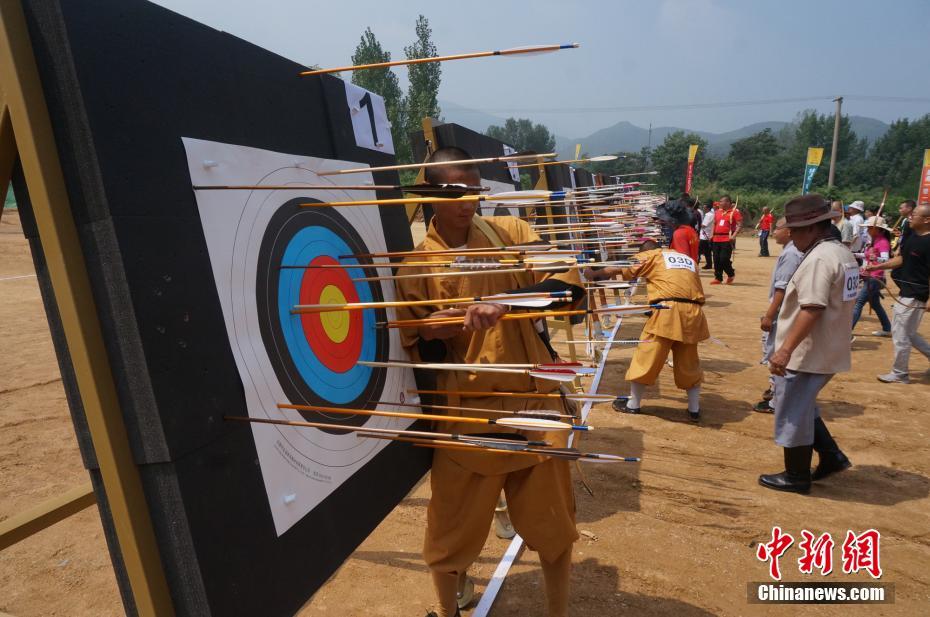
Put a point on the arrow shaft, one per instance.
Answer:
(542, 412)
(447, 58)
(537, 395)
(514, 423)
(501, 299)
(372, 430)
(439, 444)
(495, 159)
(630, 308)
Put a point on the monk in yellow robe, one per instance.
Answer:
(671, 280)
(466, 485)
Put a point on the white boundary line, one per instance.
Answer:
(510, 555)
(13, 278)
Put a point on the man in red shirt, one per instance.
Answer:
(678, 217)
(765, 227)
(727, 223)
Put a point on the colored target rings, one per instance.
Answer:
(315, 356)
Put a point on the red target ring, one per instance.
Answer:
(336, 336)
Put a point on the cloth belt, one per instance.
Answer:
(685, 300)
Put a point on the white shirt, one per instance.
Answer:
(707, 225)
(859, 233)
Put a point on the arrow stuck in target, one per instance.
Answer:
(516, 423)
(529, 300)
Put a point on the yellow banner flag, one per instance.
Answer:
(577, 151)
(927, 158)
(692, 152)
(814, 156)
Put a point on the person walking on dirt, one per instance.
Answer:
(912, 274)
(811, 345)
(764, 227)
(788, 262)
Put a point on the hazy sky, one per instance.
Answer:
(633, 54)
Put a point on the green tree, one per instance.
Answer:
(670, 159)
(423, 90)
(384, 82)
(895, 159)
(815, 130)
(523, 135)
(758, 162)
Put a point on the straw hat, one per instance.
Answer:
(878, 221)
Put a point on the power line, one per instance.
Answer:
(683, 106)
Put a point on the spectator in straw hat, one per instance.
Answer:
(811, 345)
(878, 251)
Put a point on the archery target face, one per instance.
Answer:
(267, 253)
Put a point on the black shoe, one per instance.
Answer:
(695, 416)
(707, 268)
(830, 464)
(797, 475)
(763, 407)
(620, 404)
(832, 460)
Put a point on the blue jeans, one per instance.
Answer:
(870, 293)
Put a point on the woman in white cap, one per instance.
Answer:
(878, 251)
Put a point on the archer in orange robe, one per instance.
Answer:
(465, 485)
(672, 280)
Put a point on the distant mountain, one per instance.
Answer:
(627, 137)
(472, 118)
(870, 128)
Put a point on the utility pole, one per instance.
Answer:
(648, 156)
(836, 140)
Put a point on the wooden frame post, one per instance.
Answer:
(429, 138)
(34, 143)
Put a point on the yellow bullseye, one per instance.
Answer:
(335, 323)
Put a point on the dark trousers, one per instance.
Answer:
(707, 252)
(764, 243)
(723, 260)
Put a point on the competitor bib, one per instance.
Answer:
(677, 261)
(850, 283)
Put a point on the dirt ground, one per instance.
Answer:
(673, 535)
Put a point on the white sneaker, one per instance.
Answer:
(881, 333)
(894, 378)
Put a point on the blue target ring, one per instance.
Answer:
(303, 248)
